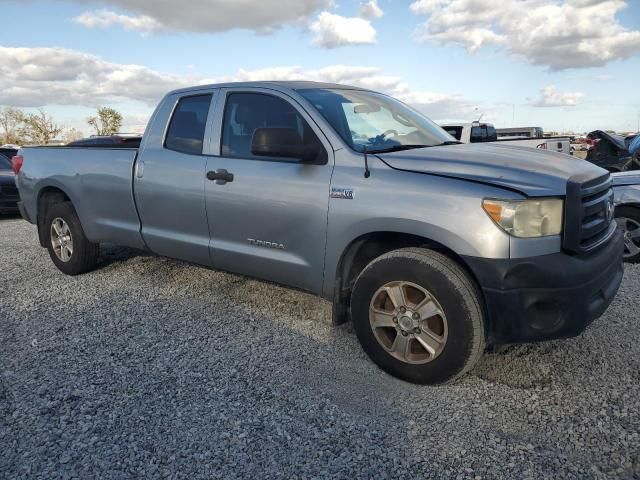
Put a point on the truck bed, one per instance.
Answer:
(97, 180)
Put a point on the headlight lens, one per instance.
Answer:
(527, 218)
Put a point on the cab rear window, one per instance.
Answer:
(188, 123)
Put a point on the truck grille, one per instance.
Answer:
(588, 213)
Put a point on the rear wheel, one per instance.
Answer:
(628, 219)
(67, 244)
(417, 315)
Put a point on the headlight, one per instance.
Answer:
(527, 218)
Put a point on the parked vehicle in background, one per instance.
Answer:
(626, 189)
(433, 248)
(9, 152)
(578, 146)
(8, 191)
(113, 141)
(477, 132)
(632, 143)
(608, 151)
(526, 132)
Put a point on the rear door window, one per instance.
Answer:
(492, 136)
(478, 134)
(188, 123)
(455, 132)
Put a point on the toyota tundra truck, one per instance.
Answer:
(435, 250)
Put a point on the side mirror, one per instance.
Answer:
(282, 142)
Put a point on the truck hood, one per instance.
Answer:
(530, 171)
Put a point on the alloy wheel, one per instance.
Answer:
(408, 322)
(61, 239)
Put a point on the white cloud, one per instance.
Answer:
(217, 15)
(551, 97)
(370, 10)
(559, 34)
(107, 18)
(333, 31)
(437, 105)
(36, 77)
(32, 77)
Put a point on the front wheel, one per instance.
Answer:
(417, 315)
(68, 247)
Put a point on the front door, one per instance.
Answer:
(267, 215)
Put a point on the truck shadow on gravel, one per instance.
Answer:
(529, 366)
(113, 254)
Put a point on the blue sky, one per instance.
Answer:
(539, 63)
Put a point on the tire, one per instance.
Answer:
(459, 326)
(83, 255)
(628, 219)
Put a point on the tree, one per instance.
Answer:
(72, 135)
(39, 127)
(107, 122)
(12, 125)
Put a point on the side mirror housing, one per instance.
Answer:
(282, 142)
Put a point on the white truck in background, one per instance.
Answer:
(477, 132)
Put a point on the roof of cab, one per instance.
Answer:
(281, 84)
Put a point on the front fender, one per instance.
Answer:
(443, 210)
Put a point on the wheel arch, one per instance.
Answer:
(47, 196)
(365, 248)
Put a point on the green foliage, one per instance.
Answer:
(107, 121)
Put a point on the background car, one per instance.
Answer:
(9, 196)
(608, 151)
(626, 191)
(116, 140)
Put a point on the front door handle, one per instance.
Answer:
(221, 176)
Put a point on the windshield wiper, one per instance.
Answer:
(449, 142)
(397, 148)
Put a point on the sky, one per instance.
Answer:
(560, 64)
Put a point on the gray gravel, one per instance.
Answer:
(152, 368)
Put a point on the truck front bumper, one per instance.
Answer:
(548, 296)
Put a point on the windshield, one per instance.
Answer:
(375, 121)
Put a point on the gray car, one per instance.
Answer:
(433, 249)
(8, 190)
(626, 188)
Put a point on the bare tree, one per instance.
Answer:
(40, 128)
(72, 135)
(12, 126)
(107, 122)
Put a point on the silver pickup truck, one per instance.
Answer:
(433, 249)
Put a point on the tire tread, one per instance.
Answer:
(465, 286)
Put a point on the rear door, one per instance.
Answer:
(270, 220)
(170, 179)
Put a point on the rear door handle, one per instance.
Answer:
(221, 176)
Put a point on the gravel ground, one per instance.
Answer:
(152, 368)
